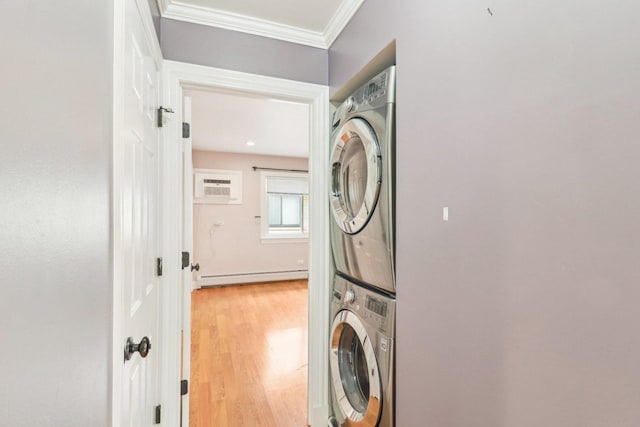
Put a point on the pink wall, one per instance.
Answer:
(236, 247)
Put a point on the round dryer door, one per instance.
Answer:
(354, 371)
(355, 175)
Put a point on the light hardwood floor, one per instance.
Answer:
(249, 356)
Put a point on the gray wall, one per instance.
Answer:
(55, 297)
(155, 15)
(215, 47)
(521, 310)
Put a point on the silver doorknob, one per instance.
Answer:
(195, 267)
(131, 347)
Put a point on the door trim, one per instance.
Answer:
(117, 337)
(177, 75)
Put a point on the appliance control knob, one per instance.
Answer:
(349, 296)
(350, 104)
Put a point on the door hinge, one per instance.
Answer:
(159, 267)
(185, 260)
(158, 417)
(186, 130)
(160, 110)
(184, 387)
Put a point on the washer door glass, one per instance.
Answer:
(354, 369)
(355, 175)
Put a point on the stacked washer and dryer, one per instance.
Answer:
(363, 245)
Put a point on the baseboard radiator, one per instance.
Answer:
(234, 279)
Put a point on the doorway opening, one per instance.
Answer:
(250, 222)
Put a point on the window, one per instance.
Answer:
(285, 205)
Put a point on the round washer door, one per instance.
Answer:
(355, 175)
(354, 371)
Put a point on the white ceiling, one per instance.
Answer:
(314, 23)
(225, 122)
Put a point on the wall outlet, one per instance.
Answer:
(300, 262)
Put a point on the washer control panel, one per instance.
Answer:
(377, 306)
(349, 296)
(371, 307)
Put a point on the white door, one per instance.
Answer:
(136, 170)
(187, 246)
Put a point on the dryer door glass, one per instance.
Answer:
(355, 175)
(354, 369)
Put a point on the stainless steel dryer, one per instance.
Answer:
(361, 356)
(362, 183)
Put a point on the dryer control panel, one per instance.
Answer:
(375, 88)
(376, 92)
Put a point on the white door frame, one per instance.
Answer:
(177, 75)
(187, 246)
(117, 337)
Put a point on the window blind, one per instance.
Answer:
(280, 185)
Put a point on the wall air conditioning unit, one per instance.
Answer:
(217, 186)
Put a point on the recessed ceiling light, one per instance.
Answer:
(250, 143)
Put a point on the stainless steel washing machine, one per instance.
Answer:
(362, 184)
(361, 356)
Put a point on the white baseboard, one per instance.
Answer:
(234, 279)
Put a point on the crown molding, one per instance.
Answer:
(231, 21)
(242, 23)
(162, 5)
(340, 19)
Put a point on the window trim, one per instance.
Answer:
(265, 235)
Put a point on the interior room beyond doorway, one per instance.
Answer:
(249, 357)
